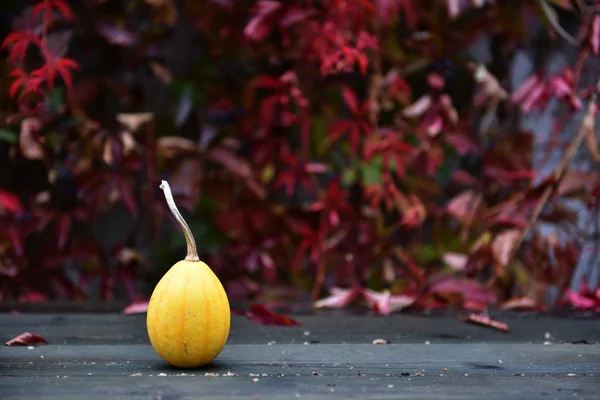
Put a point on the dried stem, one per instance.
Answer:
(192, 253)
(375, 84)
(584, 128)
(320, 273)
(549, 13)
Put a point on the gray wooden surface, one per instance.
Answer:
(108, 356)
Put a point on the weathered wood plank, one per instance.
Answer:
(113, 328)
(381, 371)
(93, 357)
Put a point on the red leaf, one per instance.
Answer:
(63, 227)
(463, 178)
(15, 37)
(127, 278)
(16, 239)
(9, 202)
(63, 9)
(486, 321)
(351, 100)
(25, 339)
(62, 66)
(137, 307)
(126, 190)
(15, 86)
(266, 81)
(469, 289)
(39, 7)
(262, 314)
(32, 297)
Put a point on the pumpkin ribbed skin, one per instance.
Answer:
(188, 317)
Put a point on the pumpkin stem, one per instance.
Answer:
(192, 253)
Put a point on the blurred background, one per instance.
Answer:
(396, 153)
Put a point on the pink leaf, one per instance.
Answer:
(581, 301)
(385, 303)
(137, 307)
(261, 24)
(339, 298)
(453, 8)
(418, 108)
(456, 261)
(525, 89)
(116, 35)
(503, 245)
(465, 205)
(521, 303)
(26, 339)
(435, 126)
(435, 81)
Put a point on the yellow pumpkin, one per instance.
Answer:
(188, 317)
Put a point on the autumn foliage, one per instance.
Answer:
(350, 151)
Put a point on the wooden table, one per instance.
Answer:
(108, 356)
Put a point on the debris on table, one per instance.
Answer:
(486, 321)
(381, 341)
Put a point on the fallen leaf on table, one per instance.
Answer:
(486, 321)
(380, 302)
(339, 297)
(25, 339)
(137, 307)
(385, 303)
(260, 313)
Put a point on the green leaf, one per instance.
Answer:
(448, 166)
(8, 136)
(56, 98)
(371, 172)
(349, 177)
(426, 253)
